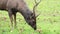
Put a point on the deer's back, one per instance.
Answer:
(3, 4)
(18, 4)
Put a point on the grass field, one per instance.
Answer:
(48, 21)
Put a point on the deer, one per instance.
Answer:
(14, 6)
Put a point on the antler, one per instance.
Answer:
(36, 4)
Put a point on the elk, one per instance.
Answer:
(14, 6)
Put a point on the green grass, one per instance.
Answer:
(48, 21)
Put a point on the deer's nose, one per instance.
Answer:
(35, 28)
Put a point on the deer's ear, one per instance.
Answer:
(30, 17)
(31, 14)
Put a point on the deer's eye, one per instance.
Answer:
(28, 18)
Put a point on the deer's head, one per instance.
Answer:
(31, 19)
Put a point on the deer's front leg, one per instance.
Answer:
(11, 19)
(15, 24)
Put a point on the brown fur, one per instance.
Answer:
(14, 6)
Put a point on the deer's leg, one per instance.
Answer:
(11, 19)
(15, 24)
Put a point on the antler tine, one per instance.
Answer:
(37, 15)
(36, 4)
(35, 1)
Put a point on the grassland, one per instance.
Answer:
(48, 21)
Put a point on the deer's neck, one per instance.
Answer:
(26, 13)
